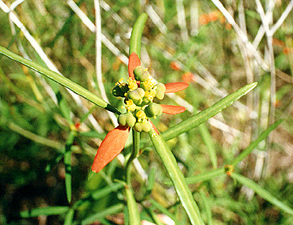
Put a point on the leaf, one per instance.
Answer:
(59, 79)
(102, 214)
(204, 115)
(255, 143)
(205, 176)
(261, 192)
(55, 210)
(67, 163)
(136, 34)
(177, 178)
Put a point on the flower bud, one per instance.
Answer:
(136, 95)
(146, 126)
(160, 91)
(130, 119)
(138, 73)
(122, 119)
(153, 109)
(138, 127)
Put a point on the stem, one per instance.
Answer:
(134, 154)
(136, 34)
(177, 178)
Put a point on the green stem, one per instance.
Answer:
(134, 217)
(59, 79)
(134, 154)
(177, 178)
(136, 34)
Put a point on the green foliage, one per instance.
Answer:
(228, 165)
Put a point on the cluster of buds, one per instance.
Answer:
(138, 94)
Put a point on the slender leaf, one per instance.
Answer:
(204, 115)
(207, 207)
(207, 139)
(255, 143)
(136, 34)
(133, 213)
(102, 214)
(55, 210)
(261, 192)
(59, 79)
(67, 163)
(177, 178)
(205, 176)
(164, 210)
(69, 217)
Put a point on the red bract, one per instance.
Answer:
(134, 62)
(110, 147)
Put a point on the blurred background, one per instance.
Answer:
(215, 46)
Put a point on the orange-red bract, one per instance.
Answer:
(110, 147)
(174, 87)
(133, 62)
(172, 109)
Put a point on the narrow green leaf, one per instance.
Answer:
(177, 178)
(164, 210)
(69, 217)
(255, 143)
(59, 79)
(133, 213)
(207, 139)
(102, 214)
(107, 190)
(261, 192)
(204, 115)
(55, 210)
(136, 34)
(207, 207)
(67, 163)
(205, 176)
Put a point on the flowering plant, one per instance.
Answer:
(138, 93)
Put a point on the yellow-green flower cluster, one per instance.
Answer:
(138, 95)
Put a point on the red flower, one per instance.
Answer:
(115, 140)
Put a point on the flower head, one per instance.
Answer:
(138, 93)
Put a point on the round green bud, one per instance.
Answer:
(122, 119)
(153, 109)
(146, 126)
(130, 119)
(120, 90)
(144, 76)
(138, 127)
(136, 95)
(138, 72)
(160, 91)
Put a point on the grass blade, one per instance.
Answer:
(102, 214)
(204, 115)
(177, 178)
(56, 210)
(207, 139)
(67, 163)
(59, 79)
(255, 143)
(69, 217)
(205, 176)
(262, 192)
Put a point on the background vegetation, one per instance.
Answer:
(216, 48)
